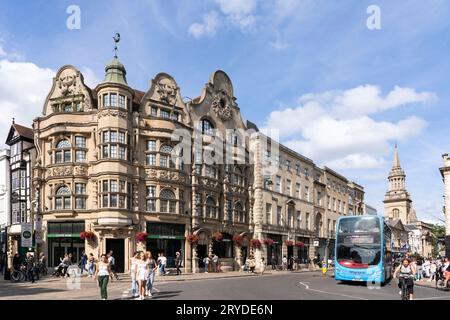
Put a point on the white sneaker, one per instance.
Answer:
(400, 292)
(149, 294)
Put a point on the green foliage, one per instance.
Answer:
(438, 231)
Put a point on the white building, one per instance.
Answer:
(370, 210)
(4, 196)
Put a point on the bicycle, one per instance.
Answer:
(19, 274)
(404, 287)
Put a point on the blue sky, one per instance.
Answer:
(313, 61)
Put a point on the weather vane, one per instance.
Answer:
(116, 39)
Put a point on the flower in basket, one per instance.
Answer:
(255, 243)
(238, 239)
(299, 244)
(141, 236)
(288, 243)
(218, 236)
(193, 238)
(87, 235)
(268, 241)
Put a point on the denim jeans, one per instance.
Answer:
(206, 267)
(419, 273)
(150, 280)
(82, 267)
(134, 285)
(91, 269)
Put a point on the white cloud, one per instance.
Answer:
(23, 89)
(239, 12)
(210, 22)
(2, 52)
(90, 78)
(332, 128)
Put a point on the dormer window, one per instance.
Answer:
(68, 107)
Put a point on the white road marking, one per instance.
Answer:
(326, 292)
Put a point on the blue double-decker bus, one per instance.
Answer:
(362, 249)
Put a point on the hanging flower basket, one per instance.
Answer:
(193, 238)
(255, 243)
(299, 244)
(87, 235)
(238, 239)
(141, 236)
(269, 242)
(218, 236)
(288, 243)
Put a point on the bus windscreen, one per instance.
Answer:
(358, 242)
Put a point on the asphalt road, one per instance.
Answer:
(292, 286)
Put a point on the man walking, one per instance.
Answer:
(215, 262)
(112, 264)
(178, 262)
(83, 261)
(30, 267)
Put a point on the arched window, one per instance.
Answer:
(239, 212)
(63, 151)
(396, 213)
(207, 127)
(238, 177)
(62, 198)
(168, 202)
(165, 157)
(210, 207)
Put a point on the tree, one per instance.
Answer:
(438, 231)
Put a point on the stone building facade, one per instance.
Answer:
(119, 164)
(445, 172)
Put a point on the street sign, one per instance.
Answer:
(316, 243)
(27, 235)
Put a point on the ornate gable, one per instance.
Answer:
(68, 85)
(164, 91)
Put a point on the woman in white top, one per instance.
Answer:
(134, 285)
(141, 275)
(103, 272)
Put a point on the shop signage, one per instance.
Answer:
(63, 235)
(165, 237)
(316, 242)
(27, 235)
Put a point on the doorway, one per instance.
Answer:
(118, 248)
(201, 254)
(62, 246)
(290, 254)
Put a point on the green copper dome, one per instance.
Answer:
(115, 72)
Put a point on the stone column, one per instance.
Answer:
(445, 172)
(255, 146)
(194, 259)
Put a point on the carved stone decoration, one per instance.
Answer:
(112, 113)
(38, 149)
(67, 84)
(167, 91)
(80, 170)
(60, 172)
(221, 105)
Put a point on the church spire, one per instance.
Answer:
(396, 163)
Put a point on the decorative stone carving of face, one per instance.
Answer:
(66, 81)
(167, 91)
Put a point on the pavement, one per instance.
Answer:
(273, 285)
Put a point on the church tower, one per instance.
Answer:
(397, 201)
